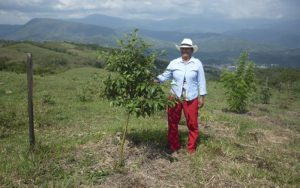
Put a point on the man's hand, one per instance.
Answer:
(200, 101)
(155, 80)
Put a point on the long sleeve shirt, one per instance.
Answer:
(186, 77)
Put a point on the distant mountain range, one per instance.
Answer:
(40, 29)
(192, 24)
(279, 32)
(220, 41)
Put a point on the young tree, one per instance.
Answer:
(239, 84)
(132, 87)
(266, 92)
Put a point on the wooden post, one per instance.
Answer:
(30, 102)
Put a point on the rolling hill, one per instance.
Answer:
(44, 29)
(267, 36)
(48, 57)
(53, 29)
(195, 24)
(215, 48)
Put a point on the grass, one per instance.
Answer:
(49, 57)
(78, 133)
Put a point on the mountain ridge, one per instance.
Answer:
(216, 48)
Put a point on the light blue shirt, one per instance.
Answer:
(193, 73)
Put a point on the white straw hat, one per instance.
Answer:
(187, 43)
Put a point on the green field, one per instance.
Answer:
(49, 57)
(78, 132)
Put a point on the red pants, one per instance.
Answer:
(190, 109)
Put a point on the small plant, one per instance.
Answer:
(48, 99)
(239, 84)
(266, 93)
(91, 89)
(132, 86)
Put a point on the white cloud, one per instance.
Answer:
(150, 9)
(13, 17)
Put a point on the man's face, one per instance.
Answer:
(186, 52)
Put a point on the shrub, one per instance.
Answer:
(133, 87)
(18, 67)
(3, 61)
(265, 92)
(99, 63)
(239, 84)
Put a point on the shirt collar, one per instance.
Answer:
(190, 61)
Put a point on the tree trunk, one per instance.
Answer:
(121, 160)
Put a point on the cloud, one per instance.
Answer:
(13, 17)
(19, 11)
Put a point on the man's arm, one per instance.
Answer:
(166, 75)
(201, 85)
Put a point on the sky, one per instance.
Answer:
(21, 11)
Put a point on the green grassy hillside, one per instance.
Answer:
(48, 57)
(78, 132)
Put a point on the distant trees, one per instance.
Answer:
(265, 92)
(239, 84)
(278, 76)
(6, 64)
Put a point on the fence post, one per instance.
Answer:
(30, 102)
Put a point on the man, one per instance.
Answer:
(189, 89)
